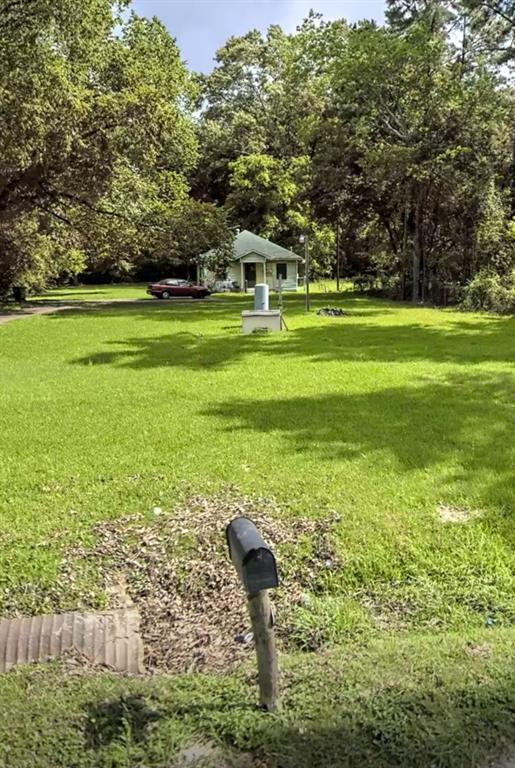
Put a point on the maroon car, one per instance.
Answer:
(165, 289)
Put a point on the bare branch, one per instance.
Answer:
(495, 9)
(56, 215)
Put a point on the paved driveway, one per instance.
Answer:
(54, 305)
(27, 312)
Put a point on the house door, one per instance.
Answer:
(250, 275)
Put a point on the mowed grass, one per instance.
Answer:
(391, 417)
(94, 292)
(136, 291)
(433, 701)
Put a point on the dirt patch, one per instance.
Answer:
(205, 755)
(479, 649)
(177, 572)
(507, 762)
(449, 514)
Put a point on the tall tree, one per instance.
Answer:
(493, 23)
(260, 107)
(425, 144)
(95, 126)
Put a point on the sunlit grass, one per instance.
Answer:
(384, 417)
(380, 416)
(94, 292)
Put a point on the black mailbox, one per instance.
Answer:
(253, 560)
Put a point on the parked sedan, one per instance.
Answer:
(165, 289)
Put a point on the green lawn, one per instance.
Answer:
(132, 291)
(95, 292)
(394, 421)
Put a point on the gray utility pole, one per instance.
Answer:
(305, 239)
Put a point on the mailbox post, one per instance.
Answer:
(255, 564)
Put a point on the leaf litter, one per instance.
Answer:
(176, 570)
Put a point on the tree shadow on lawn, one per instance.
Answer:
(463, 420)
(412, 731)
(395, 724)
(461, 343)
(186, 310)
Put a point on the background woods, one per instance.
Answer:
(116, 161)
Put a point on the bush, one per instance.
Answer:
(490, 292)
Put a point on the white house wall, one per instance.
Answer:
(234, 273)
(251, 258)
(290, 284)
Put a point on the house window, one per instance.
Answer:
(282, 271)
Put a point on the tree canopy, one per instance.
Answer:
(115, 159)
(97, 140)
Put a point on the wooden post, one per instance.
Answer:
(306, 260)
(263, 628)
(255, 564)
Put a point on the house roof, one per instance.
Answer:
(247, 242)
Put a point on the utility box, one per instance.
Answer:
(253, 560)
(260, 320)
(261, 297)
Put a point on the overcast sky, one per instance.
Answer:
(203, 26)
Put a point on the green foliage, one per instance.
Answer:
(263, 102)
(399, 133)
(400, 136)
(96, 139)
(179, 233)
(489, 291)
(493, 28)
(422, 149)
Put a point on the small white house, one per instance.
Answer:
(257, 260)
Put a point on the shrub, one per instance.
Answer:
(490, 292)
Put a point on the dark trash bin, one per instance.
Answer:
(19, 293)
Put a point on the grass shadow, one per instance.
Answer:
(124, 718)
(230, 305)
(467, 421)
(406, 730)
(328, 340)
(414, 705)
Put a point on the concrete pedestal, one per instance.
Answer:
(256, 319)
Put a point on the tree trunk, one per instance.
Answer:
(338, 252)
(513, 176)
(405, 256)
(464, 45)
(418, 245)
